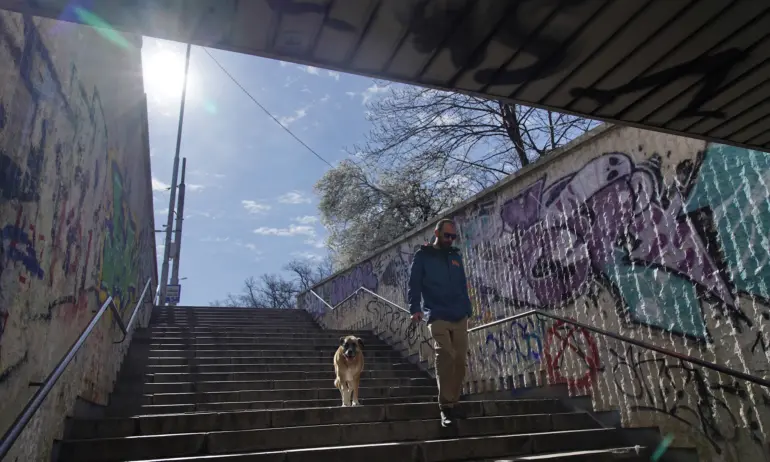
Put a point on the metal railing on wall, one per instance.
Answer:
(539, 314)
(45, 387)
(722, 408)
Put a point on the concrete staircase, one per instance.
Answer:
(215, 384)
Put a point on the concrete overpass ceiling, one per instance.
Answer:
(693, 67)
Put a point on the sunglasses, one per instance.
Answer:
(450, 236)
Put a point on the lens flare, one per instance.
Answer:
(102, 27)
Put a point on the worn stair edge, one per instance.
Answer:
(438, 450)
(242, 385)
(260, 395)
(222, 442)
(277, 418)
(134, 410)
(240, 375)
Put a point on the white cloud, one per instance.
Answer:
(307, 220)
(284, 63)
(308, 256)
(292, 230)
(317, 243)
(298, 114)
(372, 91)
(294, 197)
(194, 187)
(334, 74)
(215, 239)
(352, 94)
(255, 207)
(162, 211)
(311, 70)
(158, 185)
(324, 99)
(205, 174)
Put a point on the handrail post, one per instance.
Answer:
(138, 305)
(118, 320)
(32, 406)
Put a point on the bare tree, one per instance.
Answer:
(277, 291)
(455, 134)
(427, 151)
(306, 274)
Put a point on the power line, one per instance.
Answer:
(265, 110)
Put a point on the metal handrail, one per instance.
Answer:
(538, 313)
(126, 328)
(13, 433)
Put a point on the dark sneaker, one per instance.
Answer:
(447, 420)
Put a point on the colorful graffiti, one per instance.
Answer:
(55, 190)
(615, 220)
(654, 244)
(119, 269)
(360, 276)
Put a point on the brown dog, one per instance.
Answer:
(348, 364)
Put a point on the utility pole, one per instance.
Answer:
(178, 231)
(172, 198)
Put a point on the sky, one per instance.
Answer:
(250, 205)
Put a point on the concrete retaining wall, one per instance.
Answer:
(660, 238)
(76, 217)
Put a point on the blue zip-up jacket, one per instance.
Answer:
(437, 278)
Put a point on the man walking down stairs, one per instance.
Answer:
(237, 384)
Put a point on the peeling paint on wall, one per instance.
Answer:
(660, 238)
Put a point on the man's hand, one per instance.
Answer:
(417, 317)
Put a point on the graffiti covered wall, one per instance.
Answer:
(76, 222)
(660, 238)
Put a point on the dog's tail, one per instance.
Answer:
(337, 383)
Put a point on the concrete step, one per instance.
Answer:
(235, 359)
(260, 419)
(132, 370)
(322, 345)
(245, 330)
(525, 447)
(239, 385)
(257, 353)
(619, 454)
(271, 439)
(230, 315)
(256, 317)
(218, 309)
(238, 374)
(236, 328)
(241, 337)
(132, 409)
(267, 395)
(226, 324)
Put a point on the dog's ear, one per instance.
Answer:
(360, 343)
(342, 341)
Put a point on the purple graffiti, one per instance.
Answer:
(360, 276)
(611, 210)
(19, 248)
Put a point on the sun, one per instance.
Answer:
(164, 76)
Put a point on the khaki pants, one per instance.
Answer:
(451, 343)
